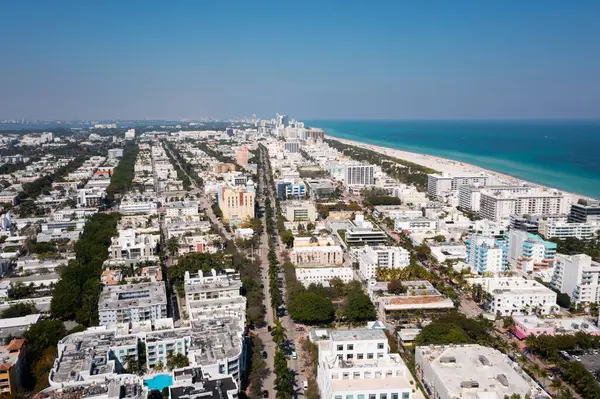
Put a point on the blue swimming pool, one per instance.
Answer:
(158, 382)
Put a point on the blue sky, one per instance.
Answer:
(322, 59)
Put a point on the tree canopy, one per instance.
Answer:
(309, 307)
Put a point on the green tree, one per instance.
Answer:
(395, 287)
(311, 308)
(176, 361)
(19, 310)
(287, 238)
(173, 245)
(278, 332)
(359, 308)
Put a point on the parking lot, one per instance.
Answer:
(590, 359)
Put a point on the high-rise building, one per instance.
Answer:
(237, 204)
(530, 252)
(241, 156)
(440, 185)
(370, 258)
(359, 175)
(486, 255)
(586, 211)
(500, 205)
(577, 276)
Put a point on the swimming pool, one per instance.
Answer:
(158, 382)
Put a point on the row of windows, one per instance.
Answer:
(405, 395)
(367, 375)
(360, 356)
(351, 347)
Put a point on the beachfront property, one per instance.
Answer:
(420, 296)
(370, 258)
(486, 255)
(357, 363)
(529, 252)
(469, 197)
(499, 205)
(577, 276)
(585, 211)
(472, 372)
(515, 295)
(125, 303)
(442, 185)
(534, 325)
(562, 230)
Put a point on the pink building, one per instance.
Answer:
(527, 325)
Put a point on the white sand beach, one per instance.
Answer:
(445, 165)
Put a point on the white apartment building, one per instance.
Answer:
(330, 255)
(488, 228)
(357, 364)
(469, 197)
(211, 295)
(323, 275)
(515, 295)
(500, 205)
(131, 245)
(530, 252)
(90, 197)
(472, 372)
(370, 258)
(557, 229)
(416, 225)
(181, 208)
(486, 255)
(131, 205)
(132, 303)
(577, 276)
(441, 185)
(361, 231)
(359, 175)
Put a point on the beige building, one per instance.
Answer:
(237, 204)
(241, 156)
(317, 256)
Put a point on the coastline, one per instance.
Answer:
(448, 165)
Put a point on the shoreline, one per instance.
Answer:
(449, 165)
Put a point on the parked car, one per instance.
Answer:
(305, 385)
(264, 355)
(294, 355)
(265, 394)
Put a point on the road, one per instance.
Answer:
(265, 178)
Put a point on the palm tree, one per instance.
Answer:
(565, 394)
(556, 384)
(278, 332)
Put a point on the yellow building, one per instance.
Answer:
(237, 203)
(12, 362)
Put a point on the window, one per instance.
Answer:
(350, 356)
(340, 347)
(383, 396)
(345, 376)
(334, 376)
(372, 396)
(338, 397)
(379, 355)
(369, 356)
(350, 347)
(349, 396)
(394, 396)
(378, 374)
(380, 346)
(367, 374)
(360, 356)
(405, 395)
(361, 396)
(388, 373)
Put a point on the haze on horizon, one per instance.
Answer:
(313, 60)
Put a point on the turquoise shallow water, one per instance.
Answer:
(561, 154)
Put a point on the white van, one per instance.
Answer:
(305, 385)
(294, 355)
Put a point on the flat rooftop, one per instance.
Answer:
(474, 371)
(132, 295)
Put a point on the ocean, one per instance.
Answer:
(560, 154)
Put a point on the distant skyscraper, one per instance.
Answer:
(285, 120)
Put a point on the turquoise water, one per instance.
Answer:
(158, 382)
(561, 154)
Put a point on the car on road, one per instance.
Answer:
(264, 355)
(294, 355)
(300, 329)
(265, 394)
(305, 385)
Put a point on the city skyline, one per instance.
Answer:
(345, 60)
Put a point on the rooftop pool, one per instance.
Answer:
(159, 381)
